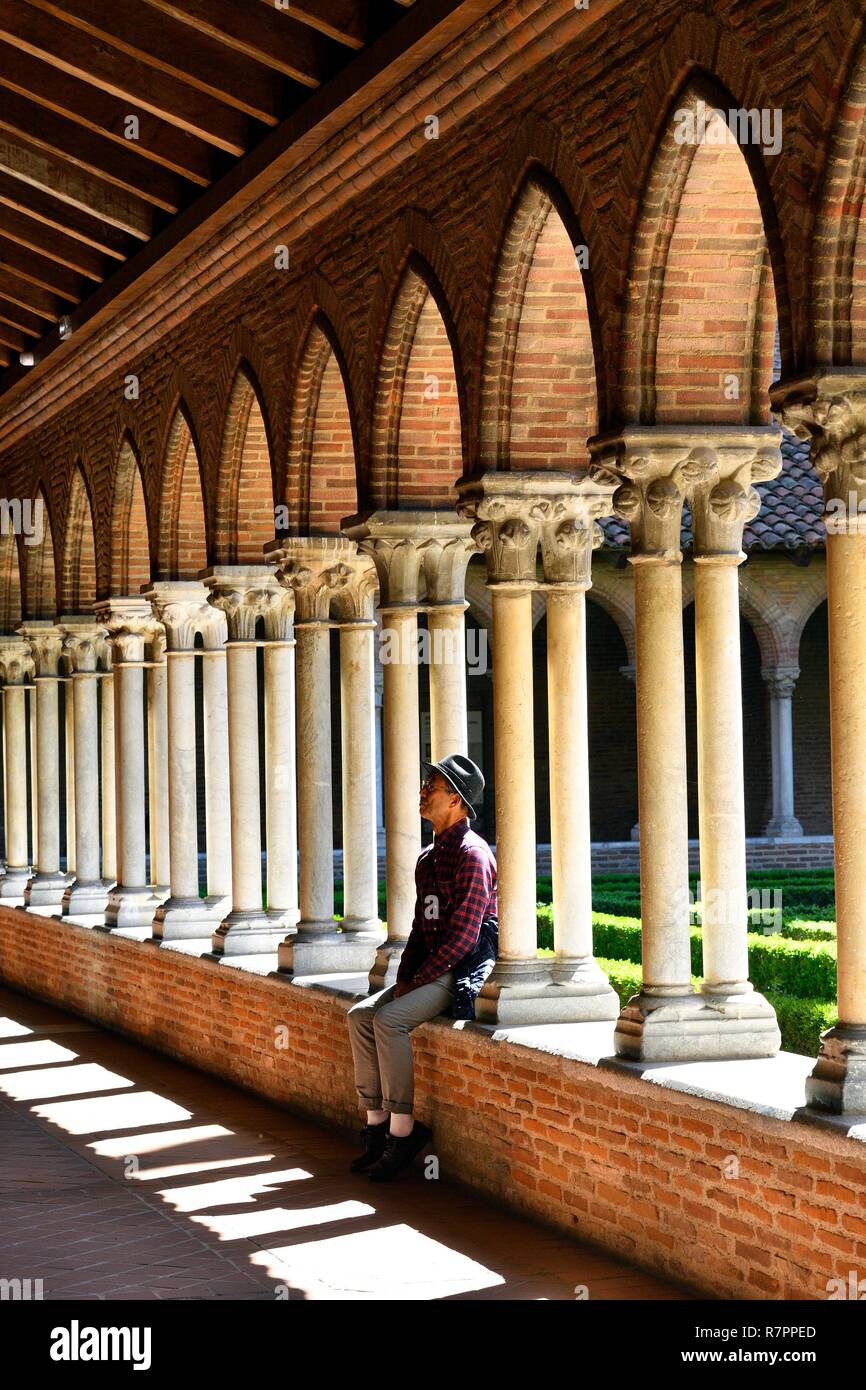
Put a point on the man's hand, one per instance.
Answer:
(402, 987)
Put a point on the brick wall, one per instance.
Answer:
(597, 1152)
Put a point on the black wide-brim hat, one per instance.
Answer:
(462, 774)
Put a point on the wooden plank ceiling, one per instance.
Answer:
(116, 114)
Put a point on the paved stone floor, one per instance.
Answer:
(125, 1175)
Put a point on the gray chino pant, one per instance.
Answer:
(379, 1029)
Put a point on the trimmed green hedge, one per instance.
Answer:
(801, 968)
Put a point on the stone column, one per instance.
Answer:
(157, 764)
(444, 563)
(109, 773)
(16, 668)
(132, 901)
(316, 569)
(244, 593)
(182, 609)
(418, 557)
(218, 828)
(722, 501)
(569, 534)
(514, 513)
(712, 467)
(783, 824)
(69, 728)
(48, 884)
(84, 642)
(829, 409)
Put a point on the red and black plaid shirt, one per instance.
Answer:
(455, 884)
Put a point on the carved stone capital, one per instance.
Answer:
(130, 624)
(324, 573)
(85, 642)
(181, 606)
(515, 513)
(245, 593)
(781, 680)
(420, 557)
(46, 646)
(828, 409)
(16, 661)
(713, 467)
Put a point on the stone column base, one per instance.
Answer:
(246, 933)
(14, 882)
(383, 972)
(46, 890)
(332, 953)
(838, 1081)
(783, 828)
(83, 896)
(546, 991)
(697, 1028)
(130, 907)
(183, 919)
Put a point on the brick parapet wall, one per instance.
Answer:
(598, 1152)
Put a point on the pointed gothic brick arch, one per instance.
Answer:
(10, 581)
(322, 478)
(539, 402)
(40, 580)
(130, 550)
(417, 437)
(245, 488)
(78, 570)
(182, 549)
(701, 315)
(837, 299)
(702, 52)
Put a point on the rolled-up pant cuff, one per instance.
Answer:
(397, 1107)
(369, 1102)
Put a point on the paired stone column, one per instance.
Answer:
(781, 680)
(246, 593)
(84, 641)
(182, 608)
(129, 620)
(318, 569)
(829, 409)
(420, 560)
(515, 513)
(714, 467)
(16, 669)
(48, 884)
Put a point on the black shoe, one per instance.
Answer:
(373, 1138)
(400, 1152)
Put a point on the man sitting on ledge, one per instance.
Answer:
(450, 951)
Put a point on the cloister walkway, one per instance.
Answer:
(125, 1175)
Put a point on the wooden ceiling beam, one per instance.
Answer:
(91, 153)
(70, 185)
(43, 208)
(35, 236)
(164, 45)
(30, 297)
(17, 317)
(12, 338)
(275, 38)
(5, 358)
(106, 115)
(96, 63)
(30, 265)
(343, 20)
